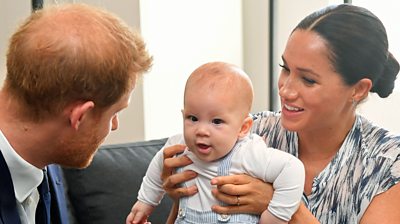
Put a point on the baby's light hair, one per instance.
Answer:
(225, 77)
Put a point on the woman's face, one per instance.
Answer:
(313, 96)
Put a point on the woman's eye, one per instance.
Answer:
(192, 118)
(217, 121)
(309, 81)
(284, 67)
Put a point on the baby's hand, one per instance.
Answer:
(139, 213)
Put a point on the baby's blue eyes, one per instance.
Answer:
(192, 118)
(217, 121)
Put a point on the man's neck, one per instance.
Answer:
(32, 141)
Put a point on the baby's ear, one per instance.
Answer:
(246, 126)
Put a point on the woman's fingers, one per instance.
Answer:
(172, 180)
(171, 183)
(175, 162)
(177, 193)
(248, 204)
(232, 179)
(235, 204)
(171, 163)
(234, 184)
(229, 199)
(172, 150)
(242, 193)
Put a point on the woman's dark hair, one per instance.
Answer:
(358, 45)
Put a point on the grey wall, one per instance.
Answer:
(11, 14)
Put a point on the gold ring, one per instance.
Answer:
(237, 200)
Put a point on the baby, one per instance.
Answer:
(217, 102)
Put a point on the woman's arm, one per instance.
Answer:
(173, 213)
(384, 207)
(303, 216)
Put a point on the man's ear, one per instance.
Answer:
(246, 126)
(78, 111)
(361, 90)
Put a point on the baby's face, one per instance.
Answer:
(212, 122)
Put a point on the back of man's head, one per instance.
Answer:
(69, 53)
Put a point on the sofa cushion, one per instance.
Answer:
(105, 191)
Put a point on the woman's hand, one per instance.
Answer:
(242, 193)
(172, 180)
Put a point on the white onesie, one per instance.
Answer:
(251, 156)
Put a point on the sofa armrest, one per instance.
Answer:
(105, 191)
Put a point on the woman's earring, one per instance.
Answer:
(354, 102)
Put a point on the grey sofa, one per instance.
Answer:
(104, 192)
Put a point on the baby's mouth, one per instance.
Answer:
(203, 148)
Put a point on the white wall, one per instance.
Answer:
(383, 112)
(182, 35)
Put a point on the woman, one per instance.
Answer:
(332, 60)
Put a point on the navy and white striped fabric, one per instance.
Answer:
(367, 164)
